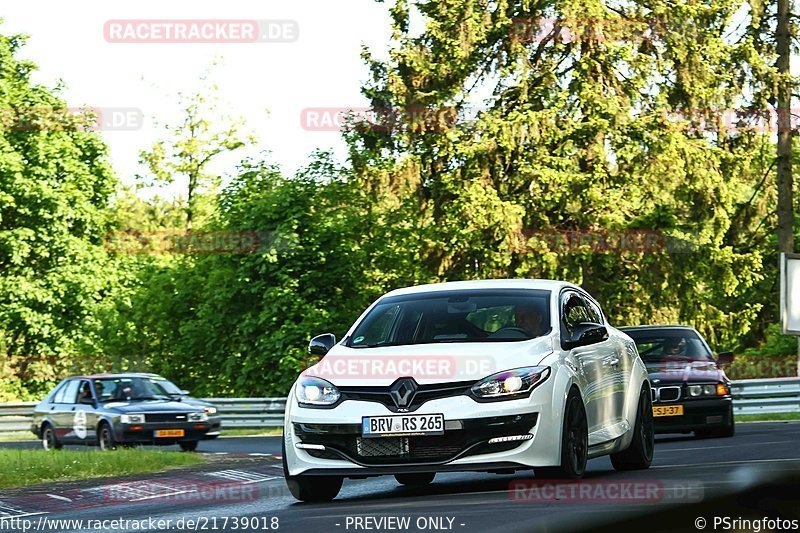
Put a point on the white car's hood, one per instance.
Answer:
(428, 363)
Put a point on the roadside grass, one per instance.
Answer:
(19, 468)
(767, 417)
(240, 432)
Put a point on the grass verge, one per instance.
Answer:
(234, 432)
(766, 417)
(20, 468)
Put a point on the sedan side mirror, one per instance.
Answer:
(587, 333)
(725, 358)
(321, 344)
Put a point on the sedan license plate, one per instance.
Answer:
(667, 410)
(402, 425)
(170, 433)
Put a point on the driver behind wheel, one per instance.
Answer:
(529, 318)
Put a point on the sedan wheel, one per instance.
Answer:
(49, 440)
(105, 439)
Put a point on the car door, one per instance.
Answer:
(84, 415)
(63, 411)
(616, 364)
(588, 358)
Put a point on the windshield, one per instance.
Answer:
(130, 389)
(659, 345)
(455, 316)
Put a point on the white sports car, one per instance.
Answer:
(489, 376)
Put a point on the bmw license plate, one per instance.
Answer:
(402, 425)
(667, 410)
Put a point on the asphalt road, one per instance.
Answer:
(250, 494)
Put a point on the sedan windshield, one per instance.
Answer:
(455, 316)
(660, 345)
(130, 389)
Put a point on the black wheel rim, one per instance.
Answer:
(647, 426)
(577, 439)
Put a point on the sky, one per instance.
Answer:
(312, 61)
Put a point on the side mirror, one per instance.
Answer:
(725, 358)
(184, 392)
(321, 344)
(587, 333)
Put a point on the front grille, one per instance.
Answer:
(424, 393)
(378, 451)
(668, 394)
(165, 417)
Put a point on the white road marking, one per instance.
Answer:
(726, 463)
(241, 476)
(57, 497)
(8, 511)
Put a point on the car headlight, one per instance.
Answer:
(511, 383)
(198, 417)
(316, 391)
(211, 410)
(703, 390)
(132, 419)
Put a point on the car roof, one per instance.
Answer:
(119, 375)
(541, 284)
(665, 326)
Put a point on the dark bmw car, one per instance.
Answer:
(690, 390)
(122, 409)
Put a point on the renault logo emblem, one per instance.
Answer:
(402, 392)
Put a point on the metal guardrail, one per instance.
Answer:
(750, 396)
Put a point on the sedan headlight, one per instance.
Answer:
(198, 417)
(211, 410)
(511, 383)
(132, 419)
(697, 391)
(316, 391)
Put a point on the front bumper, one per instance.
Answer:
(469, 425)
(697, 415)
(146, 433)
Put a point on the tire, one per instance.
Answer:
(718, 433)
(639, 455)
(188, 446)
(105, 438)
(311, 488)
(415, 480)
(574, 442)
(49, 439)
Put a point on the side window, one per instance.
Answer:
(69, 393)
(59, 392)
(573, 312)
(84, 391)
(595, 314)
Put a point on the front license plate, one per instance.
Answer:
(667, 410)
(170, 433)
(402, 425)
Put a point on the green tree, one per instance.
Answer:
(55, 275)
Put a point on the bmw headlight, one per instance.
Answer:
(132, 419)
(511, 383)
(198, 417)
(696, 391)
(316, 391)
